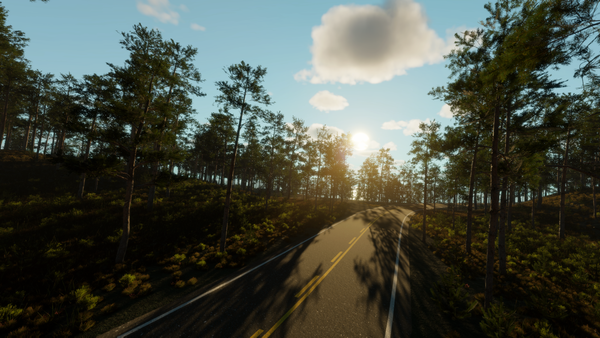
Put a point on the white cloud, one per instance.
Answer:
(446, 112)
(399, 162)
(327, 101)
(312, 130)
(197, 27)
(391, 125)
(409, 127)
(160, 9)
(367, 43)
(390, 146)
(184, 8)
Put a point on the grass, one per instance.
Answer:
(551, 288)
(57, 273)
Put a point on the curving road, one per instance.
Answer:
(350, 280)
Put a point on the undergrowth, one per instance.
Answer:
(551, 287)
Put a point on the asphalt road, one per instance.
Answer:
(337, 284)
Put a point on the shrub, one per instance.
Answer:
(241, 251)
(108, 308)
(177, 258)
(126, 280)
(9, 312)
(84, 326)
(201, 264)
(86, 242)
(55, 250)
(4, 231)
(497, 322)
(450, 295)
(544, 329)
(179, 284)
(84, 298)
(116, 237)
(192, 281)
(144, 289)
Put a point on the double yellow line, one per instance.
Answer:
(287, 314)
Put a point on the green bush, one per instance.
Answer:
(126, 280)
(84, 298)
(178, 258)
(497, 322)
(450, 295)
(116, 237)
(9, 312)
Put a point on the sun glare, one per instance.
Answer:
(361, 141)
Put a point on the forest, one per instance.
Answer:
(104, 167)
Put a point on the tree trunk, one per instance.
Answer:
(509, 212)
(39, 147)
(453, 212)
(494, 187)
(594, 196)
(8, 134)
(424, 235)
(533, 208)
(503, 200)
(562, 218)
(5, 111)
(86, 155)
(26, 134)
(34, 133)
(540, 199)
(485, 200)
(127, 205)
(53, 141)
(229, 183)
(471, 195)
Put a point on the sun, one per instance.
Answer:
(360, 141)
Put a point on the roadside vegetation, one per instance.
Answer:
(551, 287)
(57, 273)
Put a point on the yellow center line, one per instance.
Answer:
(353, 239)
(287, 314)
(307, 286)
(336, 256)
(363, 230)
(257, 333)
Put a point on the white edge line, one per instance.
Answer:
(218, 287)
(388, 329)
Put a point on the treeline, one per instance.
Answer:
(136, 123)
(517, 135)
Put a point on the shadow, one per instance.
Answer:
(255, 300)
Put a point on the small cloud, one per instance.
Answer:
(327, 101)
(409, 127)
(197, 27)
(446, 112)
(391, 125)
(399, 162)
(184, 8)
(302, 75)
(160, 9)
(390, 146)
(312, 130)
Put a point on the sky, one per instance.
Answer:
(356, 67)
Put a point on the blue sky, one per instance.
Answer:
(361, 67)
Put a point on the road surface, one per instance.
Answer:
(336, 284)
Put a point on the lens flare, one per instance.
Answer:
(360, 141)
